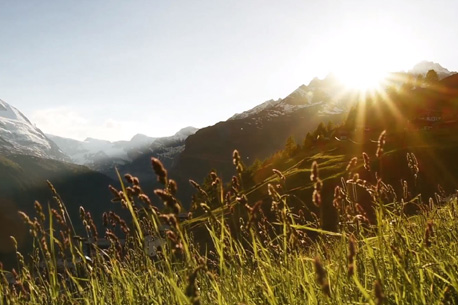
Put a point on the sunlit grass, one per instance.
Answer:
(398, 259)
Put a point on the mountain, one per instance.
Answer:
(27, 160)
(261, 131)
(104, 156)
(417, 159)
(424, 66)
(326, 93)
(167, 149)
(19, 136)
(98, 154)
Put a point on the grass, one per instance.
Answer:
(254, 253)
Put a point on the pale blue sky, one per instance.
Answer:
(111, 69)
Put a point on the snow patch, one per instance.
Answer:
(255, 110)
(332, 110)
(24, 138)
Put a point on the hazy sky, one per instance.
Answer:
(110, 69)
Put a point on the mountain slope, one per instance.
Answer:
(23, 181)
(168, 150)
(261, 131)
(27, 160)
(19, 136)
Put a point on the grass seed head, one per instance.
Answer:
(351, 255)
(213, 176)
(129, 178)
(366, 160)
(39, 210)
(413, 164)
(337, 202)
(169, 200)
(159, 170)
(82, 213)
(352, 164)
(314, 172)
(279, 174)
(235, 183)
(321, 277)
(236, 157)
(145, 199)
(429, 233)
(381, 144)
(379, 295)
(316, 198)
(172, 187)
(118, 195)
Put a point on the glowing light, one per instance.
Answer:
(361, 66)
(362, 79)
(362, 53)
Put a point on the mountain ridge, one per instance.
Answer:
(19, 136)
(101, 154)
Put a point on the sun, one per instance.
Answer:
(362, 55)
(361, 78)
(361, 66)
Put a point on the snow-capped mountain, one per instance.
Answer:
(261, 131)
(103, 155)
(19, 136)
(424, 66)
(325, 93)
(329, 94)
(254, 110)
(167, 149)
(91, 151)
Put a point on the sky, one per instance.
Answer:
(112, 69)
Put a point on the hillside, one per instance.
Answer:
(24, 182)
(261, 131)
(431, 138)
(282, 254)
